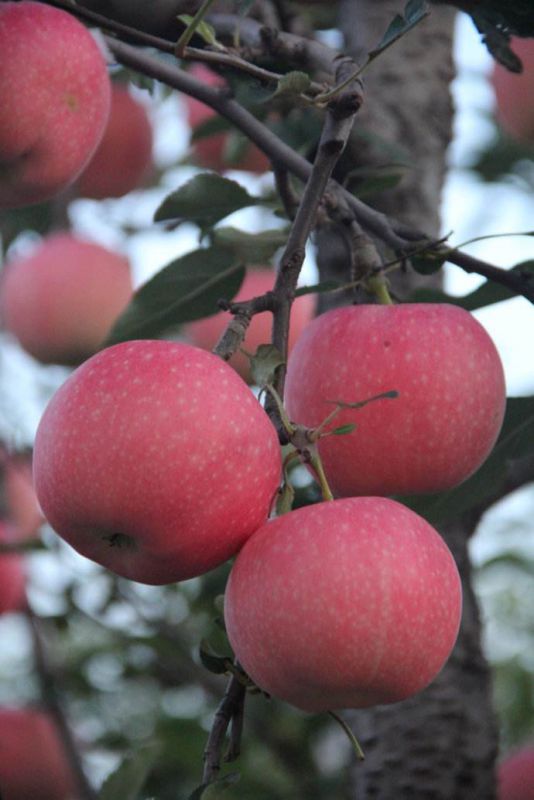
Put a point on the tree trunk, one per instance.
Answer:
(442, 743)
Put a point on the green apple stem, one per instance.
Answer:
(360, 755)
(317, 466)
(286, 422)
(377, 284)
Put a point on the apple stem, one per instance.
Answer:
(360, 755)
(377, 284)
(317, 466)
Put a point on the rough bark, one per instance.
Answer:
(441, 744)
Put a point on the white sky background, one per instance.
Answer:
(470, 208)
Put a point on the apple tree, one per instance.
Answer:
(156, 461)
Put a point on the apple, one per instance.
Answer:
(513, 94)
(12, 576)
(61, 300)
(210, 151)
(156, 460)
(23, 510)
(55, 98)
(33, 763)
(124, 156)
(207, 332)
(450, 404)
(344, 604)
(516, 775)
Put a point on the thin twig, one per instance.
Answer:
(230, 706)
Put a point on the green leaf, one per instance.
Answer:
(212, 661)
(203, 29)
(210, 791)
(292, 84)
(487, 294)
(128, 780)
(264, 364)
(427, 263)
(515, 441)
(364, 181)
(255, 248)
(204, 200)
(186, 289)
(343, 429)
(414, 12)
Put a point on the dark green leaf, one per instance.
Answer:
(264, 363)
(365, 181)
(212, 661)
(128, 780)
(209, 791)
(186, 289)
(414, 12)
(255, 248)
(487, 294)
(204, 29)
(343, 429)
(427, 264)
(204, 200)
(515, 441)
(292, 84)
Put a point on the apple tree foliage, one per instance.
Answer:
(139, 672)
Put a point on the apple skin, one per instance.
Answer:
(209, 152)
(206, 332)
(12, 575)
(61, 300)
(344, 604)
(33, 764)
(123, 158)
(55, 100)
(164, 444)
(513, 94)
(516, 775)
(442, 425)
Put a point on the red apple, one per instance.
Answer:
(210, 151)
(124, 156)
(33, 764)
(206, 332)
(516, 775)
(156, 460)
(513, 93)
(12, 576)
(344, 604)
(54, 97)
(23, 510)
(442, 425)
(62, 299)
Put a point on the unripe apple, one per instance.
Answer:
(516, 775)
(12, 576)
(206, 332)
(124, 156)
(344, 604)
(513, 93)
(210, 151)
(33, 763)
(54, 101)
(450, 404)
(61, 300)
(156, 460)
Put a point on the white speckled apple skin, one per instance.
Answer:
(165, 444)
(439, 429)
(344, 604)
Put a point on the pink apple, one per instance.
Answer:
(344, 604)
(12, 576)
(33, 764)
(209, 152)
(54, 101)
(23, 510)
(206, 332)
(442, 425)
(516, 775)
(156, 460)
(513, 94)
(61, 300)
(123, 158)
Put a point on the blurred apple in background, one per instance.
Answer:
(22, 509)
(33, 764)
(516, 775)
(206, 332)
(123, 158)
(514, 94)
(212, 151)
(62, 299)
(54, 98)
(12, 579)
